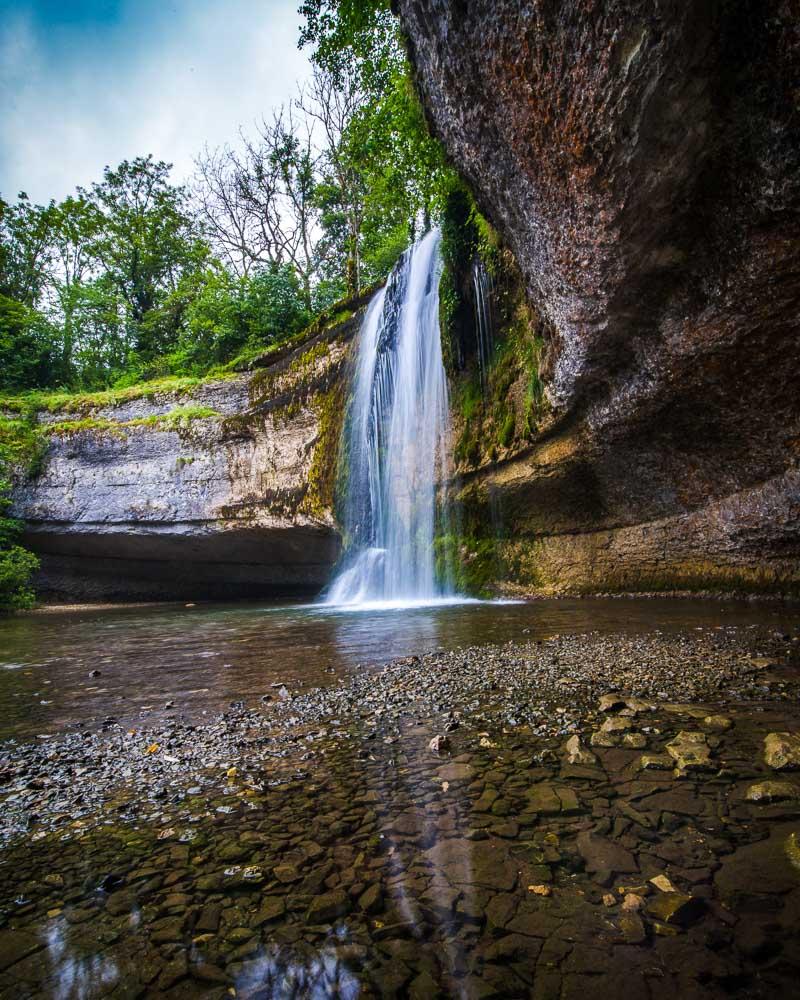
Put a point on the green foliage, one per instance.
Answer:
(17, 565)
(470, 563)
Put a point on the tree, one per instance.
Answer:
(17, 565)
(332, 101)
(26, 236)
(145, 239)
(258, 205)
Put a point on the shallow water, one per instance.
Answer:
(203, 657)
(362, 864)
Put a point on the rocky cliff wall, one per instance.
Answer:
(222, 492)
(641, 159)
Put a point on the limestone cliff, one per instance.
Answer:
(641, 160)
(224, 491)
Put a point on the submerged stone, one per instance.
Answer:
(782, 751)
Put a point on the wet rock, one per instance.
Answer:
(772, 791)
(600, 854)
(16, 945)
(543, 799)
(611, 702)
(720, 723)
(483, 863)
(440, 744)
(636, 741)
(371, 900)
(271, 908)
(675, 908)
(610, 733)
(576, 754)
(656, 762)
(782, 751)
(455, 773)
(328, 907)
(632, 927)
(690, 751)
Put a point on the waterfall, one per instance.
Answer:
(396, 440)
(483, 288)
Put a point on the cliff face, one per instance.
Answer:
(223, 492)
(641, 159)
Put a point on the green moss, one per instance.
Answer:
(322, 476)
(58, 402)
(507, 430)
(470, 563)
(23, 442)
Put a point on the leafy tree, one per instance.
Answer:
(17, 565)
(29, 357)
(145, 239)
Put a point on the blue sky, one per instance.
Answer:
(85, 83)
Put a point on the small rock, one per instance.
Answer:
(690, 752)
(721, 723)
(540, 890)
(632, 927)
(782, 751)
(636, 741)
(772, 791)
(328, 906)
(576, 754)
(663, 883)
(439, 744)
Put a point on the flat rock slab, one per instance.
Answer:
(484, 863)
(600, 854)
(759, 868)
(16, 945)
(455, 773)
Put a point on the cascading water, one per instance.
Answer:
(483, 289)
(396, 441)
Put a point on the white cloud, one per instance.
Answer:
(203, 71)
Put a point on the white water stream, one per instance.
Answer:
(396, 442)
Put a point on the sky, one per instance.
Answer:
(86, 83)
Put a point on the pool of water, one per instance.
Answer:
(66, 667)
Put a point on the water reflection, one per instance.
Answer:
(79, 666)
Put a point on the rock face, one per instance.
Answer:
(225, 492)
(642, 162)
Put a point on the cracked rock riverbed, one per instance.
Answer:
(327, 844)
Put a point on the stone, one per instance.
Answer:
(16, 945)
(271, 908)
(455, 773)
(611, 702)
(371, 900)
(543, 798)
(719, 723)
(576, 754)
(482, 863)
(663, 883)
(632, 927)
(782, 751)
(763, 868)
(600, 854)
(675, 908)
(439, 744)
(541, 890)
(636, 741)
(328, 907)
(656, 762)
(772, 791)
(690, 751)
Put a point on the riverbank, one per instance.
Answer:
(595, 812)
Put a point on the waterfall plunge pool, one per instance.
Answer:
(203, 657)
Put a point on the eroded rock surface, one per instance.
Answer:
(135, 501)
(642, 162)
